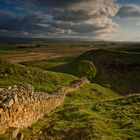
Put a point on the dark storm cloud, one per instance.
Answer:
(71, 15)
(61, 3)
(61, 17)
(22, 3)
(129, 11)
(28, 25)
(48, 3)
(12, 22)
(33, 4)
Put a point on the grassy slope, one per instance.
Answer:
(11, 73)
(120, 80)
(81, 118)
(50, 64)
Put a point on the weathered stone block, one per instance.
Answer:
(9, 87)
(1, 110)
(15, 97)
(3, 106)
(8, 102)
(1, 89)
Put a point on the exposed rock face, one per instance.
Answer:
(20, 106)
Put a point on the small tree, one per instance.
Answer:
(86, 68)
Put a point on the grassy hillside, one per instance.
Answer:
(11, 73)
(119, 69)
(84, 116)
(99, 110)
(52, 64)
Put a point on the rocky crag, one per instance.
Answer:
(21, 106)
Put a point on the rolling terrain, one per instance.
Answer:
(105, 109)
(119, 69)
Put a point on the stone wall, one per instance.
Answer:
(21, 106)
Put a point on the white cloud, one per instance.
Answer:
(93, 16)
(129, 11)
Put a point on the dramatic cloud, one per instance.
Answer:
(62, 17)
(71, 15)
(91, 16)
(12, 22)
(129, 11)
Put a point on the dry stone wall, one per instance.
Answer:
(21, 106)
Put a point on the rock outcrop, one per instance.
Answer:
(21, 106)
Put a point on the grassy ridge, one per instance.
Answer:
(117, 69)
(121, 70)
(52, 63)
(11, 73)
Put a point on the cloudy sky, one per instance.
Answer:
(97, 19)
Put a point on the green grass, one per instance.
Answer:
(83, 115)
(51, 63)
(11, 73)
(10, 52)
(37, 46)
(83, 118)
(121, 70)
(119, 80)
